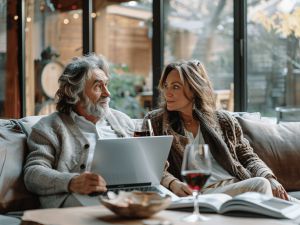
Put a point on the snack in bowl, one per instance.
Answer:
(135, 204)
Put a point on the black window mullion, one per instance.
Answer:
(240, 55)
(21, 54)
(87, 27)
(157, 47)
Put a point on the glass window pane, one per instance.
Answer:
(123, 36)
(53, 35)
(203, 30)
(273, 56)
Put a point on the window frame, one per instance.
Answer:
(239, 39)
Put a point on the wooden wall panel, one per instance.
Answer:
(123, 40)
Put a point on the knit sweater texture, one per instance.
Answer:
(58, 151)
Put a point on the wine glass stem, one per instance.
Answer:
(196, 203)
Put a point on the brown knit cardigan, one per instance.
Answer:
(226, 141)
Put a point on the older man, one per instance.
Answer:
(61, 145)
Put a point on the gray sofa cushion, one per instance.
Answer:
(8, 220)
(26, 123)
(278, 145)
(13, 149)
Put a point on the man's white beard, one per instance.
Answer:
(98, 109)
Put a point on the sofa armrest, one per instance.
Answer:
(13, 150)
(27, 123)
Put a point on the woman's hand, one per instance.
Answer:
(278, 189)
(87, 183)
(180, 189)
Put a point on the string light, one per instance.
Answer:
(132, 3)
(16, 17)
(75, 16)
(42, 7)
(28, 19)
(93, 15)
(66, 21)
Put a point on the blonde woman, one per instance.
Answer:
(188, 113)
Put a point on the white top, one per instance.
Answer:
(92, 132)
(218, 173)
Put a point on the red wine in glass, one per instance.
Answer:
(195, 179)
(142, 127)
(195, 171)
(141, 133)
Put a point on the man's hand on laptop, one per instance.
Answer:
(180, 189)
(87, 183)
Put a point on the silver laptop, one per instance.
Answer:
(132, 163)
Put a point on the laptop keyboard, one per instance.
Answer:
(144, 189)
(117, 190)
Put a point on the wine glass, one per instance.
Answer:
(142, 127)
(196, 169)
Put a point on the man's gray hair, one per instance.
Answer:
(73, 79)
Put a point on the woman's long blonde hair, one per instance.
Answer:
(194, 73)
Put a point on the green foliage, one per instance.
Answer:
(123, 88)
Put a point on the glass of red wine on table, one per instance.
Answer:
(196, 169)
(142, 127)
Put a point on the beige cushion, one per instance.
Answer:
(278, 145)
(13, 194)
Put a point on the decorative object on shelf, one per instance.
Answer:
(49, 78)
(48, 70)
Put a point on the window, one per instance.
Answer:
(123, 32)
(53, 35)
(123, 35)
(273, 55)
(203, 30)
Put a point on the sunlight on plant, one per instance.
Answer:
(283, 23)
(124, 88)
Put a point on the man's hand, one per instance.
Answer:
(278, 190)
(87, 183)
(180, 189)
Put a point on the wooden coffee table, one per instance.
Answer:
(97, 215)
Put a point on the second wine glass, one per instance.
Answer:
(196, 169)
(142, 127)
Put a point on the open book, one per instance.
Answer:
(249, 202)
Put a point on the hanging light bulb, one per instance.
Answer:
(66, 21)
(42, 7)
(28, 19)
(132, 3)
(93, 15)
(75, 16)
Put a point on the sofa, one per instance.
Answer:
(278, 145)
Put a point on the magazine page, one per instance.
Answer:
(254, 202)
(207, 202)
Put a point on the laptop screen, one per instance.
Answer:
(125, 162)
